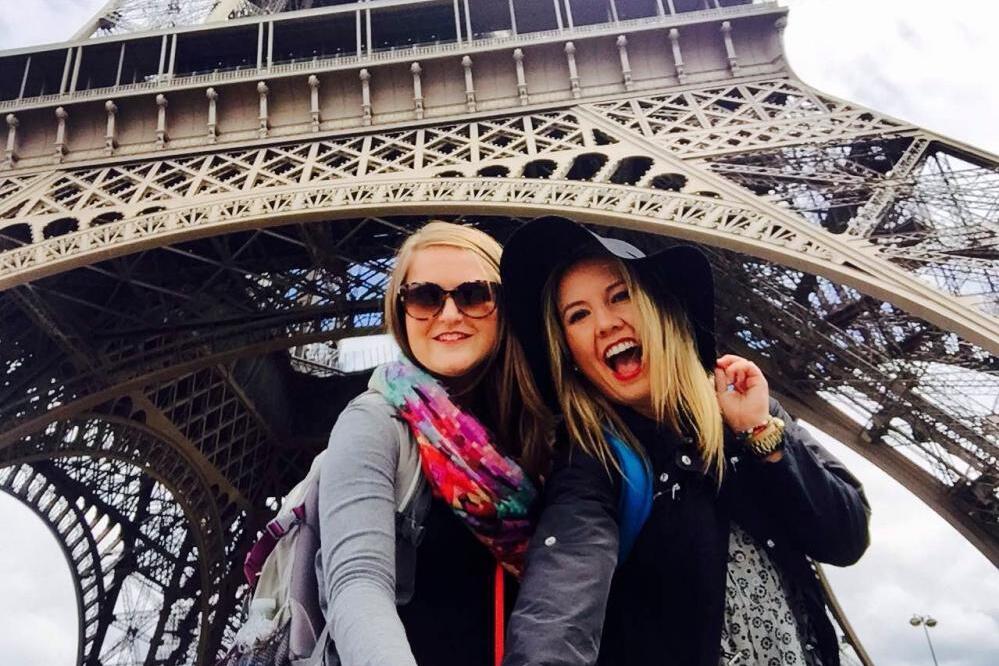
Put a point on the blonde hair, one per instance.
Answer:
(683, 396)
(517, 412)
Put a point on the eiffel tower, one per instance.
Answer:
(199, 200)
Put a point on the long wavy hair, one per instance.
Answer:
(503, 382)
(683, 396)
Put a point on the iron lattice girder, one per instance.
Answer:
(178, 326)
(884, 331)
(106, 304)
(185, 525)
(757, 110)
(184, 263)
(125, 16)
(108, 536)
(129, 16)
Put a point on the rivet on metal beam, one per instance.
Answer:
(733, 61)
(60, 142)
(212, 119)
(416, 70)
(110, 141)
(518, 59)
(314, 101)
(365, 77)
(674, 38)
(622, 49)
(10, 154)
(570, 56)
(161, 107)
(466, 62)
(264, 127)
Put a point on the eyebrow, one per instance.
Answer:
(609, 287)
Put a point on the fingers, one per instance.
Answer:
(721, 380)
(738, 373)
(732, 375)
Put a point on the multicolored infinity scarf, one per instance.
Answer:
(489, 491)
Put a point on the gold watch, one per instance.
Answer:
(765, 438)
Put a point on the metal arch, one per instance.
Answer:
(147, 377)
(93, 613)
(784, 314)
(840, 427)
(167, 467)
(730, 224)
(122, 16)
(924, 477)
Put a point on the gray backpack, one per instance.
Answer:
(284, 624)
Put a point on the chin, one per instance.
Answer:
(452, 369)
(451, 373)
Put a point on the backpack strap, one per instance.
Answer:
(409, 482)
(635, 501)
(408, 476)
(292, 512)
(321, 655)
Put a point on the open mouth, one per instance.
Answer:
(624, 358)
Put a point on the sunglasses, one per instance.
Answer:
(425, 300)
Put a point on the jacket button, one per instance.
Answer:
(550, 541)
(685, 459)
(770, 543)
(664, 477)
(809, 647)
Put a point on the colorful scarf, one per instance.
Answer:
(487, 490)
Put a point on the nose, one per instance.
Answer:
(606, 320)
(450, 311)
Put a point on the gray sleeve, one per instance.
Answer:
(357, 508)
(559, 615)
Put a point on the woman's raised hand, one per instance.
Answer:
(742, 391)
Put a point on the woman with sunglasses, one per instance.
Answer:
(465, 399)
(739, 497)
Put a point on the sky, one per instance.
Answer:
(925, 62)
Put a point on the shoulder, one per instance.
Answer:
(576, 471)
(372, 404)
(368, 416)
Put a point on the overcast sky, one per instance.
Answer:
(927, 62)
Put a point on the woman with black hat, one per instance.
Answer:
(741, 498)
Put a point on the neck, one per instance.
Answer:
(645, 409)
(464, 389)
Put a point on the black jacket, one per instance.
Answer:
(665, 603)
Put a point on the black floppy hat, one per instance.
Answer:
(549, 244)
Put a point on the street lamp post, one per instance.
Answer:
(926, 621)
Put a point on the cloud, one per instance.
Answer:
(937, 57)
(917, 563)
(37, 602)
(44, 21)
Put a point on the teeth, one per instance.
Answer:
(619, 347)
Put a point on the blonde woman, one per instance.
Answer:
(430, 587)
(741, 497)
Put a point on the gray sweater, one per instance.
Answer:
(361, 575)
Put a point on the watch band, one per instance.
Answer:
(765, 438)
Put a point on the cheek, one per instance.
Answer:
(415, 332)
(581, 354)
(631, 317)
(489, 329)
